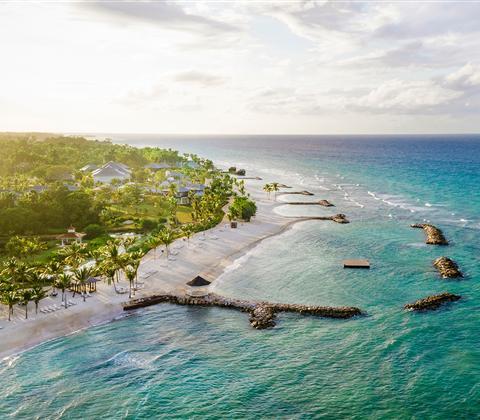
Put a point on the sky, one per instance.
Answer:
(243, 67)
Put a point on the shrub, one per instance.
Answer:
(148, 224)
(94, 231)
(244, 207)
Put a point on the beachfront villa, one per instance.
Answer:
(158, 166)
(70, 237)
(111, 171)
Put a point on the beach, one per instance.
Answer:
(206, 253)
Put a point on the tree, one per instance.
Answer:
(10, 297)
(130, 273)
(153, 242)
(166, 237)
(188, 231)
(81, 276)
(25, 297)
(63, 282)
(268, 189)
(275, 189)
(38, 293)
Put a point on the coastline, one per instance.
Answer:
(208, 254)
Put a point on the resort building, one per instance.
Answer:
(110, 171)
(89, 167)
(158, 166)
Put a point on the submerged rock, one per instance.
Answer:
(447, 268)
(432, 302)
(434, 234)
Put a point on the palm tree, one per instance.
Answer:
(130, 273)
(25, 297)
(188, 230)
(111, 253)
(38, 293)
(153, 242)
(10, 297)
(268, 189)
(166, 237)
(135, 259)
(275, 189)
(108, 270)
(81, 276)
(63, 282)
(73, 254)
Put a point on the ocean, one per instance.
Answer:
(188, 362)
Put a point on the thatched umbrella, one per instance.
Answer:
(196, 287)
(198, 282)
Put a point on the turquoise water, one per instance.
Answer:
(169, 361)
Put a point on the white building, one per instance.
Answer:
(110, 171)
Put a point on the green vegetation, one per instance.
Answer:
(43, 191)
(243, 208)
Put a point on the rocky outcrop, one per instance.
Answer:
(447, 268)
(434, 236)
(340, 218)
(432, 302)
(262, 314)
(283, 186)
(325, 203)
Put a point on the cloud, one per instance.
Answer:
(141, 97)
(466, 77)
(199, 78)
(405, 97)
(165, 14)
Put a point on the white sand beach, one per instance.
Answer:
(207, 254)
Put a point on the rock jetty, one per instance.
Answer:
(262, 314)
(297, 192)
(432, 302)
(434, 234)
(324, 203)
(447, 268)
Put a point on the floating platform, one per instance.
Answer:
(358, 263)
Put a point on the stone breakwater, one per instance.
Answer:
(324, 203)
(262, 314)
(337, 218)
(432, 302)
(296, 192)
(447, 268)
(434, 234)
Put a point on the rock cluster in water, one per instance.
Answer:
(340, 218)
(325, 203)
(432, 302)
(434, 234)
(447, 268)
(262, 314)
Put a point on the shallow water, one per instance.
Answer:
(169, 361)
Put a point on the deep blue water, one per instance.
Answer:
(179, 362)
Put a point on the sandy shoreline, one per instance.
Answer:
(207, 254)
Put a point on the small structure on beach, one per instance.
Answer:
(197, 287)
(356, 263)
(71, 236)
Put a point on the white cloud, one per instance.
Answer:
(199, 78)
